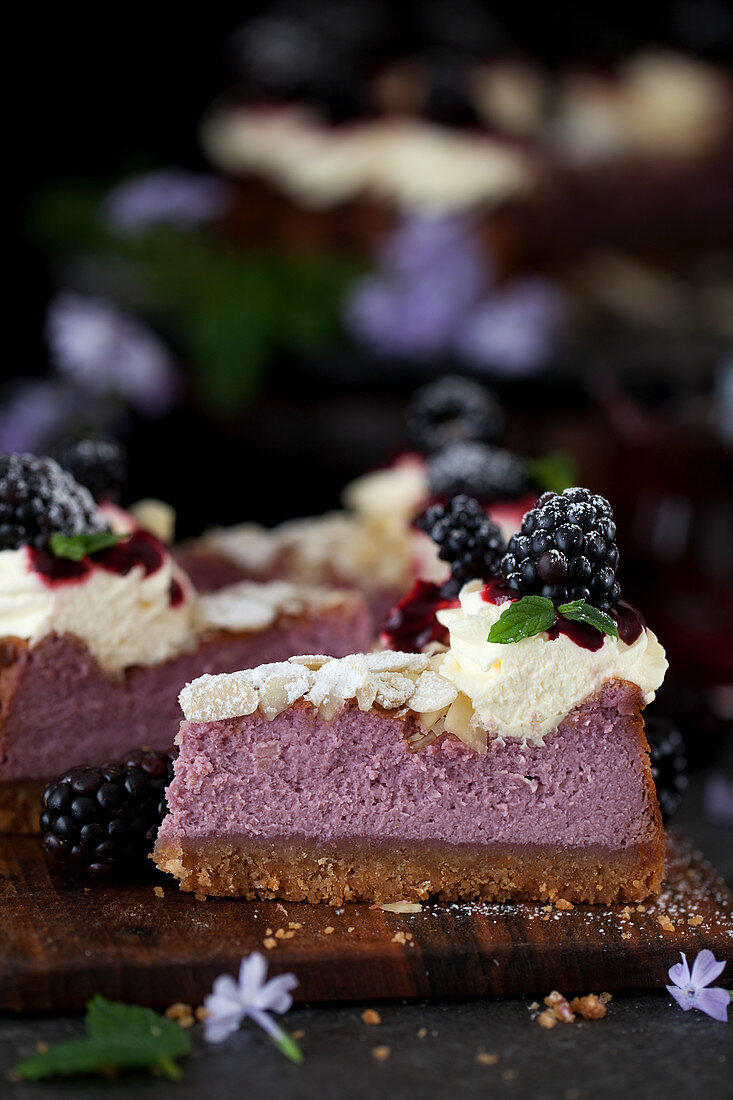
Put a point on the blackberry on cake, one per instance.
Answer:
(452, 409)
(468, 540)
(38, 498)
(99, 464)
(488, 474)
(668, 754)
(100, 819)
(566, 550)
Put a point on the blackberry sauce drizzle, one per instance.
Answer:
(411, 624)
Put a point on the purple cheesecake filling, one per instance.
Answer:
(300, 776)
(62, 709)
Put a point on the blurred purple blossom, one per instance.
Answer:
(718, 798)
(431, 275)
(35, 412)
(434, 292)
(169, 196)
(106, 351)
(516, 328)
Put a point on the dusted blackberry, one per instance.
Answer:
(485, 473)
(669, 762)
(98, 464)
(468, 540)
(452, 409)
(98, 819)
(566, 550)
(37, 498)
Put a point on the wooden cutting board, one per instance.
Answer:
(63, 939)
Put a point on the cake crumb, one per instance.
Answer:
(547, 1019)
(201, 1013)
(422, 1032)
(695, 921)
(562, 903)
(605, 998)
(590, 1007)
(559, 1007)
(483, 1058)
(200, 895)
(371, 1016)
(399, 937)
(329, 931)
(401, 907)
(625, 935)
(294, 925)
(270, 942)
(181, 1014)
(41, 1046)
(509, 1075)
(159, 891)
(299, 1034)
(664, 921)
(381, 1054)
(534, 1006)
(351, 929)
(641, 908)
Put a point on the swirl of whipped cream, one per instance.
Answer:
(525, 689)
(123, 619)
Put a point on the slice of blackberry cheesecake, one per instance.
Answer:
(509, 764)
(100, 629)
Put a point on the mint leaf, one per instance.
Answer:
(554, 471)
(523, 619)
(581, 612)
(76, 547)
(119, 1036)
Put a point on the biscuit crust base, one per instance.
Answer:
(388, 871)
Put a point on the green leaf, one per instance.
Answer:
(119, 1036)
(76, 547)
(554, 471)
(581, 612)
(523, 619)
(288, 1046)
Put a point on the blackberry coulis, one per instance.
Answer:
(566, 550)
(487, 474)
(450, 410)
(98, 464)
(468, 540)
(37, 498)
(668, 755)
(99, 819)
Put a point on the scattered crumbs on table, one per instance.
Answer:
(590, 1007)
(159, 891)
(283, 934)
(329, 931)
(270, 942)
(695, 921)
(422, 1032)
(268, 931)
(351, 929)
(371, 1016)
(381, 1054)
(484, 1058)
(41, 1046)
(181, 1014)
(399, 937)
(563, 904)
(664, 921)
(200, 895)
(625, 935)
(297, 1035)
(509, 1075)
(201, 1013)
(559, 1007)
(534, 1006)
(294, 925)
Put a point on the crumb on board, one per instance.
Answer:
(181, 1014)
(381, 1054)
(159, 891)
(509, 1075)
(422, 1033)
(590, 1007)
(201, 1013)
(294, 925)
(484, 1058)
(695, 921)
(200, 895)
(329, 931)
(41, 1046)
(401, 907)
(371, 1016)
(297, 1035)
(562, 903)
(270, 942)
(665, 923)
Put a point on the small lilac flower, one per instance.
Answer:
(718, 798)
(35, 411)
(107, 351)
(169, 196)
(689, 989)
(515, 329)
(231, 1001)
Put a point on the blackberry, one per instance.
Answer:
(37, 498)
(451, 409)
(99, 819)
(469, 541)
(566, 550)
(98, 464)
(669, 762)
(487, 474)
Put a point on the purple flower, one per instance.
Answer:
(718, 798)
(689, 989)
(35, 412)
(231, 1001)
(431, 276)
(169, 196)
(515, 329)
(106, 351)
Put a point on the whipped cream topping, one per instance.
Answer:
(123, 618)
(525, 689)
(394, 681)
(407, 161)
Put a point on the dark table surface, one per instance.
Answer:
(645, 1046)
